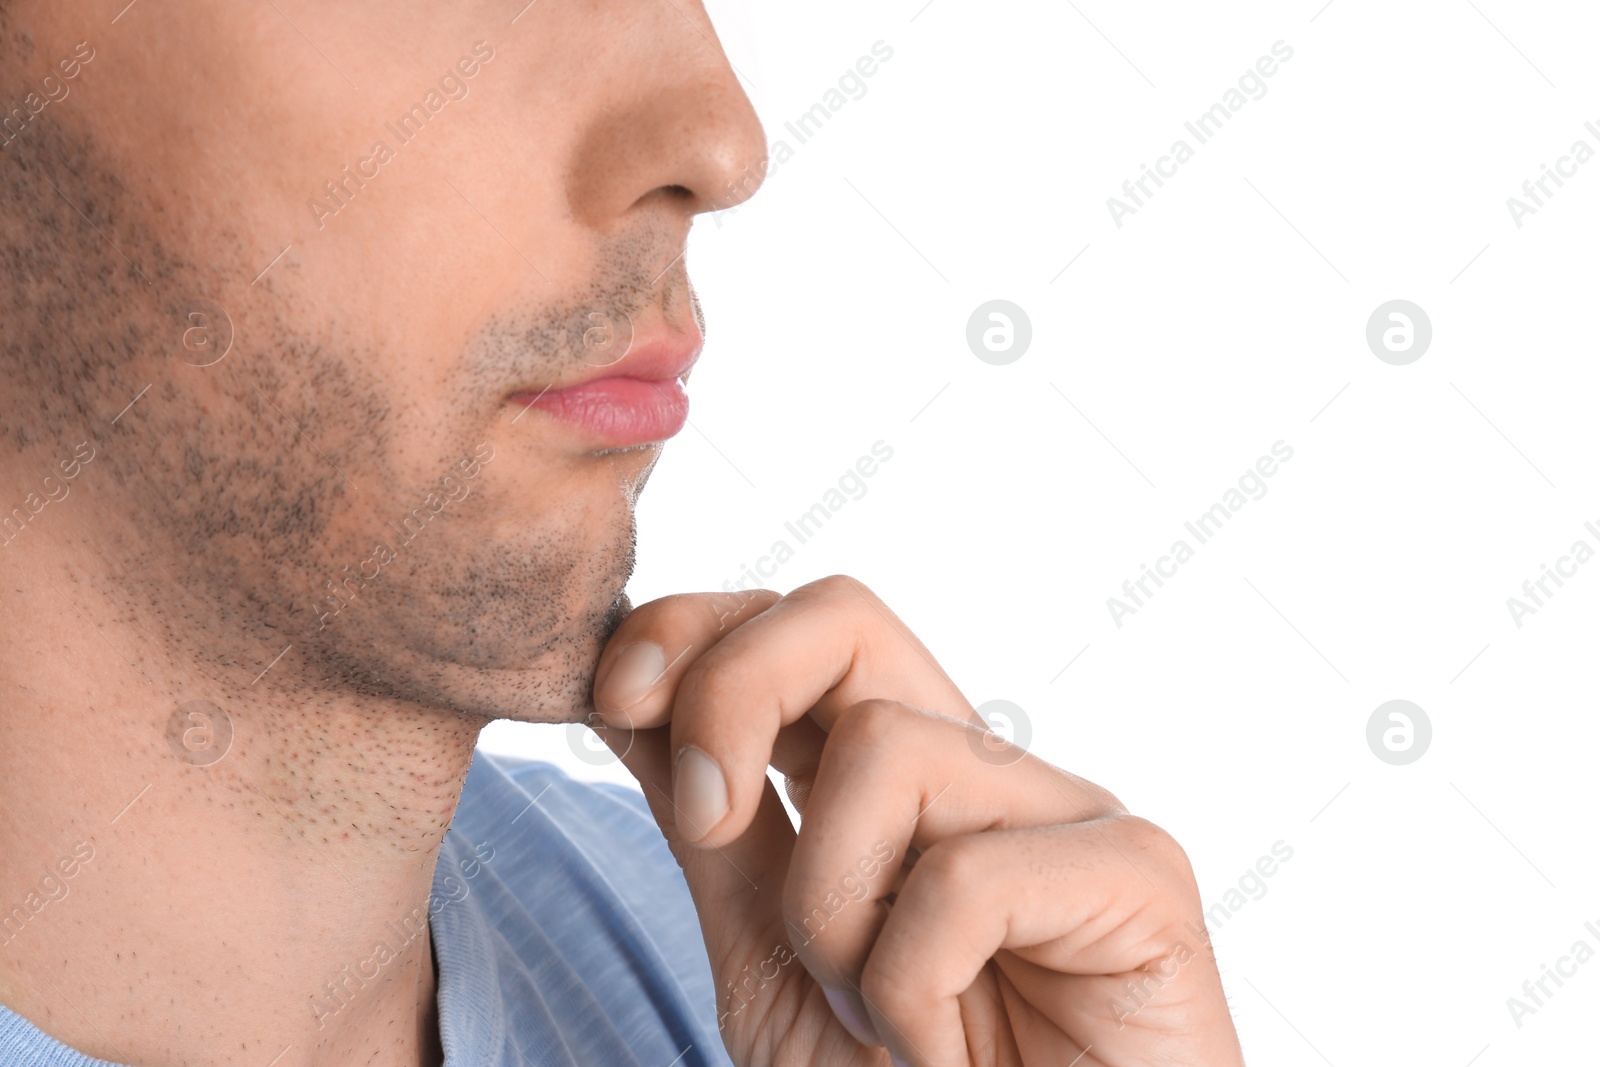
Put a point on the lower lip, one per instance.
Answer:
(618, 411)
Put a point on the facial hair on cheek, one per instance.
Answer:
(245, 479)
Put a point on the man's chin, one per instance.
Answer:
(527, 664)
(556, 687)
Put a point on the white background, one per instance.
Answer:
(1225, 315)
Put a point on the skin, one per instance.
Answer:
(248, 391)
(970, 906)
(368, 361)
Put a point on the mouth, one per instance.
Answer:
(638, 400)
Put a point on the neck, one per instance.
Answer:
(248, 857)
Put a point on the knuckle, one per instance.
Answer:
(1146, 837)
(1154, 846)
(893, 988)
(697, 614)
(873, 724)
(713, 679)
(950, 870)
(807, 916)
(720, 612)
(836, 586)
(669, 614)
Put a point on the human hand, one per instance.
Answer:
(947, 895)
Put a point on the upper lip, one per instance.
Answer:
(651, 358)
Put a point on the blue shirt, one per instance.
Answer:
(564, 931)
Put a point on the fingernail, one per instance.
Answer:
(635, 671)
(701, 793)
(852, 1014)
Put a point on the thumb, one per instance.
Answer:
(737, 887)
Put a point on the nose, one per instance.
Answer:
(674, 127)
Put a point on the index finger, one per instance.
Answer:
(826, 646)
(655, 645)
